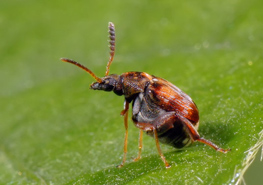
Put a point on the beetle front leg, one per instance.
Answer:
(124, 113)
(196, 137)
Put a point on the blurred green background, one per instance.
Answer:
(54, 130)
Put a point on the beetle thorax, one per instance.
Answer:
(134, 83)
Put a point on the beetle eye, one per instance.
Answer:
(106, 82)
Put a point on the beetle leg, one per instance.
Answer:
(126, 108)
(140, 146)
(159, 149)
(124, 113)
(209, 143)
(150, 128)
(196, 137)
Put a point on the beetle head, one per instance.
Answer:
(108, 83)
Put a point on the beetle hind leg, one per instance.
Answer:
(196, 137)
(209, 143)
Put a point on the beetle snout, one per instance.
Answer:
(94, 85)
(104, 85)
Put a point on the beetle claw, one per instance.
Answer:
(224, 150)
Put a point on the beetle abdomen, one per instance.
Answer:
(176, 136)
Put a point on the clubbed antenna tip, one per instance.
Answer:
(111, 46)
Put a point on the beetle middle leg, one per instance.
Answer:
(150, 128)
(160, 124)
(124, 113)
(140, 146)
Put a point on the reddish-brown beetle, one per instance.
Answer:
(159, 108)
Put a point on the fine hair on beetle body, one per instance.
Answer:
(159, 108)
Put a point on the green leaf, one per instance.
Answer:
(55, 130)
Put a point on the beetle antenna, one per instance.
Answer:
(82, 67)
(112, 46)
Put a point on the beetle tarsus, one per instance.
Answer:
(119, 166)
(211, 144)
(223, 150)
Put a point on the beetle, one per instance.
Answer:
(159, 108)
